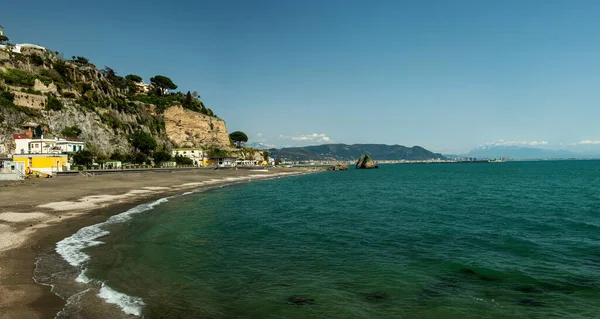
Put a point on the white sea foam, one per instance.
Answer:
(70, 249)
(130, 305)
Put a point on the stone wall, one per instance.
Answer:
(30, 100)
(39, 86)
(191, 129)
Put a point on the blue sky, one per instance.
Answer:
(446, 75)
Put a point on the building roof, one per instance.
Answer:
(20, 136)
(39, 155)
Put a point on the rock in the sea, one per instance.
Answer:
(338, 167)
(302, 300)
(365, 161)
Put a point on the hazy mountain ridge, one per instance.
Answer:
(354, 151)
(522, 152)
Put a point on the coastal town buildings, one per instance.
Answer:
(197, 155)
(34, 142)
(42, 163)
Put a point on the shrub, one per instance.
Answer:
(161, 156)
(80, 60)
(52, 74)
(31, 91)
(182, 160)
(36, 60)
(69, 95)
(18, 77)
(62, 69)
(140, 158)
(117, 156)
(71, 131)
(54, 103)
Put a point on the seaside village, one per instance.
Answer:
(36, 152)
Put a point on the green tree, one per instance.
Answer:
(83, 157)
(140, 158)
(117, 156)
(163, 83)
(265, 155)
(161, 156)
(188, 100)
(238, 138)
(3, 39)
(80, 60)
(143, 142)
(134, 78)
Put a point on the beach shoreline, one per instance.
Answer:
(36, 214)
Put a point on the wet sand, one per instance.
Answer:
(35, 214)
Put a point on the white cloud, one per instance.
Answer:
(588, 142)
(514, 143)
(314, 137)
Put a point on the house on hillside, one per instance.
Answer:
(143, 88)
(1, 30)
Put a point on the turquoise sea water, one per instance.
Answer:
(502, 240)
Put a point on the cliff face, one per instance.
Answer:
(191, 129)
(100, 104)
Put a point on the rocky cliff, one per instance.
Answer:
(186, 128)
(38, 86)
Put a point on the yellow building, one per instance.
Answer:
(45, 163)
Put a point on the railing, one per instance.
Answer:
(19, 173)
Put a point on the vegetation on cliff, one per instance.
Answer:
(77, 100)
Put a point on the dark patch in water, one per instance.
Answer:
(467, 271)
(530, 302)
(472, 273)
(301, 300)
(529, 289)
(377, 296)
(488, 278)
(347, 284)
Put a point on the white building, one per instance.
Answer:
(69, 145)
(195, 154)
(143, 88)
(33, 145)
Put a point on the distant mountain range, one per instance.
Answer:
(521, 152)
(353, 152)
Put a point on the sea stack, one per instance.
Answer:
(365, 161)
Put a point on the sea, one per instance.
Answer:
(473, 240)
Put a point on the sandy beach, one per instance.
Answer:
(40, 212)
